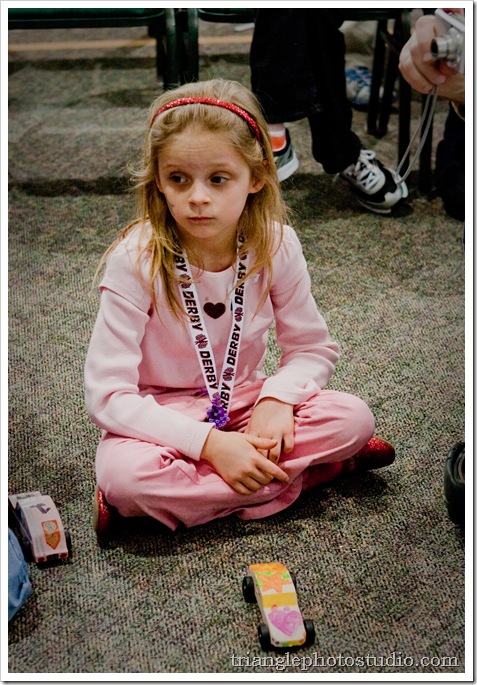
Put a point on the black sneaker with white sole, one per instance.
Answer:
(376, 187)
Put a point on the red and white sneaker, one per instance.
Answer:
(286, 160)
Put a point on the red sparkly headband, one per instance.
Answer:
(217, 103)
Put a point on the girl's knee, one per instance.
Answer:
(357, 424)
(118, 473)
(341, 414)
(119, 484)
(362, 415)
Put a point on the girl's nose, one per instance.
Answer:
(198, 194)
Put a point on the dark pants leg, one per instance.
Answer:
(450, 166)
(297, 62)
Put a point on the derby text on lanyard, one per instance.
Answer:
(219, 389)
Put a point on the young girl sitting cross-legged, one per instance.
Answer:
(193, 430)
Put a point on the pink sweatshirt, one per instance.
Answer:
(138, 362)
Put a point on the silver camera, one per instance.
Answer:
(449, 45)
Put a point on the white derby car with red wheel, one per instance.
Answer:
(42, 535)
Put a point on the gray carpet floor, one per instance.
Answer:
(379, 565)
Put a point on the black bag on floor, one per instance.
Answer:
(454, 483)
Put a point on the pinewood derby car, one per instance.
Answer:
(41, 533)
(273, 587)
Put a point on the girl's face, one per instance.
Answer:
(206, 183)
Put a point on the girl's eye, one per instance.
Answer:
(177, 178)
(217, 179)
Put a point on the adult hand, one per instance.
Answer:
(238, 460)
(273, 419)
(422, 72)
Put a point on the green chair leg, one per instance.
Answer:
(171, 62)
(182, 47)
(190, 48)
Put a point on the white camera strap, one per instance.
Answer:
(424, 126)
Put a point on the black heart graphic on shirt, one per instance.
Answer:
(214, 310)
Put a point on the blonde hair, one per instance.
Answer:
(263, 210)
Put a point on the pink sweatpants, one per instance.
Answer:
(143, 479)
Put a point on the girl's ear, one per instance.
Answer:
(256, 186)
(258, 183)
